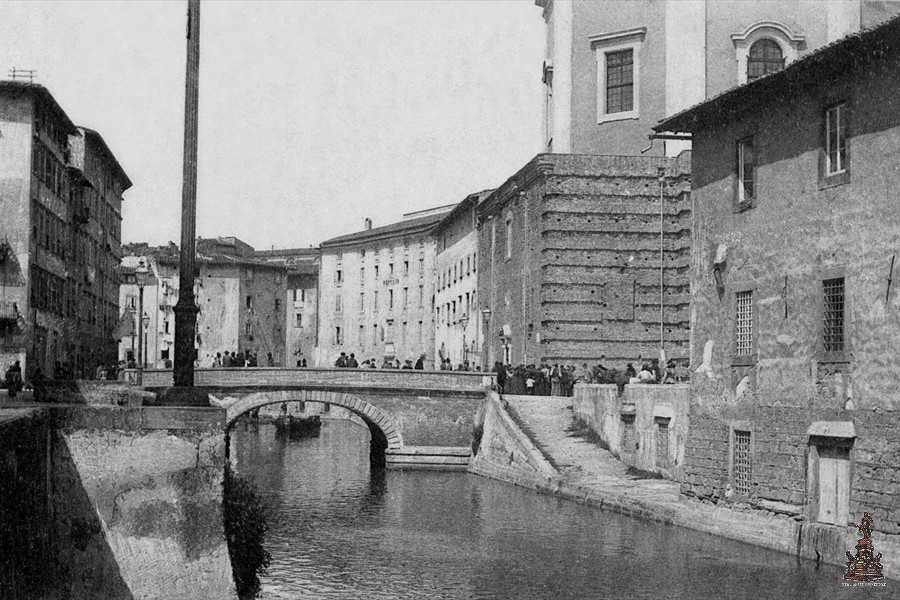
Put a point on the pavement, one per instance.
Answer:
(582, 464)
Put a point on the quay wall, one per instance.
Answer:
(507, 452)
(646, 427)
(120, 502)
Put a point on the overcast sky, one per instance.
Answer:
(313, 115)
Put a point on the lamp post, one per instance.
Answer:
(486, 356)
(141, 275)
(463, 323)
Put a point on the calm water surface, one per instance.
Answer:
(339, 532)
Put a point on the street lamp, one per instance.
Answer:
(486, 356)
(463, 322)
(141, 275)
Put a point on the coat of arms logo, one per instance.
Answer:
(865, 566)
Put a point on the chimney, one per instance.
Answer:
(368, 224)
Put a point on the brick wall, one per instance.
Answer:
(583, 277)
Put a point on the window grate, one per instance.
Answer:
(836, 140)
(620, 81)
(834, 314)
(741, 459)
(743, 324)
(746, 170)
(765, 57)
(662, 444)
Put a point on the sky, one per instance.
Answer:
(313, 115)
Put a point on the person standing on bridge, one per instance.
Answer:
(420, 364)
(351, 362)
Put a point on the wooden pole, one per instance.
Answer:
(186, 309)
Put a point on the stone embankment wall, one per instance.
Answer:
(100, 392)
(645, 427)
(124, 503)
(502, 451)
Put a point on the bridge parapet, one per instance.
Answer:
(284, 378)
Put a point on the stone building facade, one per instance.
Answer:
(615, 68)
(795, 307)
(301, 303)
(241, 300)
(457, 317)
(571, 260)
(61, 190)
(376, 291)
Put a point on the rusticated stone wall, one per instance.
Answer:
(569, 260)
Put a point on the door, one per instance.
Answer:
(834, 485)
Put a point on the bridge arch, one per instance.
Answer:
(385, 433)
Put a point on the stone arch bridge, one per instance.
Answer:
(416, 418)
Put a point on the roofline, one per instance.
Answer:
(38, 88)
(836, 52)
(398, 229)
(470, 201)
(93, 133)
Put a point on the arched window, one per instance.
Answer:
(765, 57)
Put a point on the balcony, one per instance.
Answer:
(9, 311)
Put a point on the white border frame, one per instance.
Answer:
(617, 41)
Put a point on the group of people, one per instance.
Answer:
(242, 358)
(446, 365)
(560, 380)
(345, 361)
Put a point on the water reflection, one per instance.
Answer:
(337, 532)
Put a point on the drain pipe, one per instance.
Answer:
(662, 183)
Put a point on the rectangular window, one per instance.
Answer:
(337, 303)
(405, 268)
(420, 332)
(338, 277)
(277, 305)
(746, 168)
(362, 301)
(620, 81)
(743, 323)
(835, 140)
(362, 336)
(421, 268)
(509, 238)
(833, 314)
(421, 296)
(405, 298)
(362, 276)
(376, 272)
(298, 320)
(375, 299)
(741, 460)
(249, 302)
(337, 336)
(390, 268)
(295, 295)
(390, 299)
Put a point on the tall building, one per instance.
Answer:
(376, 291)
(301, 303)
(794, 403)
(59, 237)
(615, 68)
(457, 318)
(584, 253)
(241, 300)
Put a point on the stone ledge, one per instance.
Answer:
(138, 418)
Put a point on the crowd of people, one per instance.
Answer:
(248, 358)
(560, 380)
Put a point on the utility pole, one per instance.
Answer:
(186, 309)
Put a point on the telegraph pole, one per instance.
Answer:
(186, 310)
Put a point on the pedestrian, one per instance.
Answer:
(351, 362)
(420, 364)
(217, 361)
(408, 364)
(341, 361)
(270, 360)
(500, 370)
(13, 379)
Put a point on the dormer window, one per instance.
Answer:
(765, 57)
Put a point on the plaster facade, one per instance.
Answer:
(684, 51)
(816, 413)
(376, 292)
(458, 322)
(61, 189)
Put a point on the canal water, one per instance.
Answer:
(337, 531)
